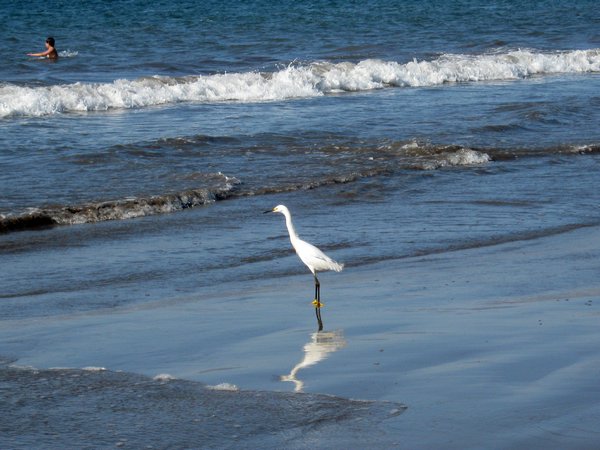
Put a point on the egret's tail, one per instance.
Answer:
(336, 266)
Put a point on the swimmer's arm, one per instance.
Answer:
(46, 53)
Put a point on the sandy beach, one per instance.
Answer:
(491, 347)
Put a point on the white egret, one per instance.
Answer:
(311, 256)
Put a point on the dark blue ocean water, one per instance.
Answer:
(136, 167)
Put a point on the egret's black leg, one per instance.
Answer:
(317, 302)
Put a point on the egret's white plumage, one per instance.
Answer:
(311, 256)
(315, 259)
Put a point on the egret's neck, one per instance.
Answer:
(290, 226)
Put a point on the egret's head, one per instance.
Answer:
(277, 209)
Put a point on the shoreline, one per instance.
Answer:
(491, 346)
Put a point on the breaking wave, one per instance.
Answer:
(121, 209)
(392, 158)
(411, 156)
(294, 81)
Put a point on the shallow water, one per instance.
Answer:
(105, 408)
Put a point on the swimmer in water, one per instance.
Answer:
(50, 52)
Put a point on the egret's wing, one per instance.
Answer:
(315, 258)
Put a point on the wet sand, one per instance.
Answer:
(492, 347)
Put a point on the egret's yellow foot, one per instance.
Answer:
(317, 303)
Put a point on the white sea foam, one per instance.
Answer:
(304, 81)
(224, 387)
(467, 157)
(462, 157)
(68, 53)
(94, 369)
(164, 377)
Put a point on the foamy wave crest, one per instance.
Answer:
(153, 91)
(94, 369)
(372, 74)
(427, 157)
(223, 387)
(68, 53)
(462, 157)
(301, 81)
(164, 377)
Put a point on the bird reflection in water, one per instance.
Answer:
(321, 344)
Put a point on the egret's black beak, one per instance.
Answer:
(267, 211)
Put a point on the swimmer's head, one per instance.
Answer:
(50, 41)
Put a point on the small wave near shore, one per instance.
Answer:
(120, 209)
(410, 156)
(391, 159)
